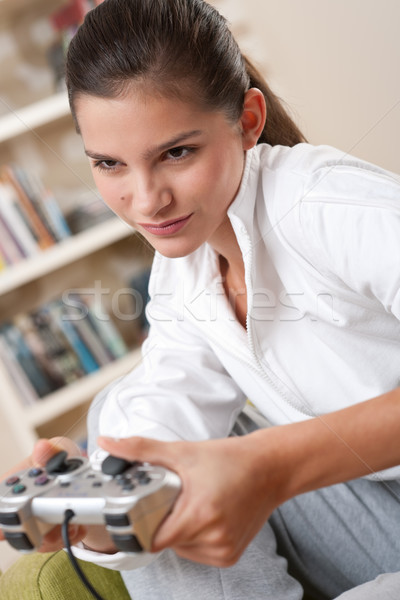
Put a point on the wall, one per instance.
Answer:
(335, 63)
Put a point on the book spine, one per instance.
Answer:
(33, 191)
(46, 204)
(12, 215)
(77, 312)
(105, 328)
(59, 223)
(24, 387)
(16, 343)
(25, 324)
(45, 239)
(9, 246)
(62, 359)
(84, 354)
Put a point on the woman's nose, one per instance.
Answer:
(150, 197)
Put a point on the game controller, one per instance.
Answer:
(130, 499)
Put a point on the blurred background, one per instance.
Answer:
(336, 65)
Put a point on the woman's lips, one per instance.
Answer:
(166, 228)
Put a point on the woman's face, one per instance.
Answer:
(165, 167)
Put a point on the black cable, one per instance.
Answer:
(68, 515)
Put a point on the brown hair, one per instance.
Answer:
(180, 48)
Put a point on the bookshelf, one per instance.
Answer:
(37, 132)
(65, 252)
(35, 115)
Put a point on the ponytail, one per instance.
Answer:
(279, 127)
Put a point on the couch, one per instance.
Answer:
(51, 577)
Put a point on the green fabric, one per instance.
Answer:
(52, 577)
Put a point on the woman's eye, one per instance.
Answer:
(179, 152)
(106, 165)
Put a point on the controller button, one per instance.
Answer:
(122, 481)
(42, 480)
(114, 466)
(18, 489)
(18, 540)
(97, 484)
(143, 478)
(9, 519)
(12, 481)
(65, 483)
(123, 476)
(91, 476)
(128, 487)
(127, 543)
(117, 520)
(35, 472)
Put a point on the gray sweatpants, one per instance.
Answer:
(327, 544)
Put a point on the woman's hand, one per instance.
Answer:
(231, 486)
(228, 492)
(43, 450)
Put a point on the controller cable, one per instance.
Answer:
(68, 515)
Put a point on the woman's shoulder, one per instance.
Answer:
(307, 160)
(312, 177)
(325, 205)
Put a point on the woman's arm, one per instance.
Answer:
(346, 444)
(231, 486)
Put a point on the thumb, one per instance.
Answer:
(45, 449)
(142, 449)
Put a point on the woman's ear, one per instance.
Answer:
(253, 117)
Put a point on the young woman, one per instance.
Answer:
(276, 279)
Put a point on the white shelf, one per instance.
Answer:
(29, 118)
(79, 392)
(65, 252)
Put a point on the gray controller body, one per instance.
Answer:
(130, 504)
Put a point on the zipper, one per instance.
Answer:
(260, 369)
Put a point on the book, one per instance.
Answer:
(45, 203)
(57, 354)
(89, 214)
(72, 13)
(84, 354)
(26, 358)
(9, 247)
(44, 237)
(13, 216)
(104, 326)
(28, 329)
(60, 225)
(33, 191)
(76, 312)
(26, 391)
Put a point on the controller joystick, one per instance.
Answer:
(59, 464)
(112, 465)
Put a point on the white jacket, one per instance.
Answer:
(320, 236)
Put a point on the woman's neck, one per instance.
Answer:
(231, 266)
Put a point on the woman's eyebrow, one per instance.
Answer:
(178, 139)
(97, 156)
